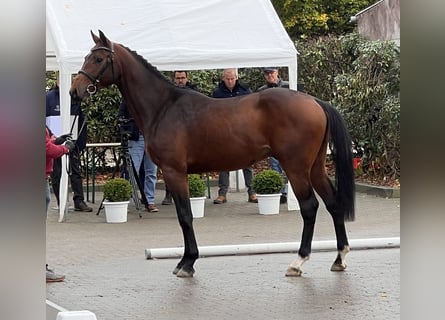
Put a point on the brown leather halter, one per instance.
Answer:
(92, 87)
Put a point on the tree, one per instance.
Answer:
(305, 19)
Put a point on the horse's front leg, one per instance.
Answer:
(185, 268)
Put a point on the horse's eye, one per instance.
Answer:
(99, 60)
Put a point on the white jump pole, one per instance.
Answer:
(76, 315)
(281, 247)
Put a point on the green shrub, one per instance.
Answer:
(117, 189)
(361, 78)
(368, 98)
(267, 182)
(197, 186)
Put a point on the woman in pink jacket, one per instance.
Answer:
(53, 151)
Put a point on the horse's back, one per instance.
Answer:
(292, 111)
(290, 100)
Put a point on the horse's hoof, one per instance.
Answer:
(293, 272)
(185, 274)
(175, 270)
(338, 267)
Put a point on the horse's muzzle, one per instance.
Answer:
(74, 95)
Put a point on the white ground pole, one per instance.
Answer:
(280, 247)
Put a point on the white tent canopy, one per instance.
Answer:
(170, 34)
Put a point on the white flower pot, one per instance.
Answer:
(197, 205)
(269, 203)
(116, 212)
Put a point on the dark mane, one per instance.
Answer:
(147, 65)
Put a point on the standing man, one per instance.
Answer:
(53, 121)
(136, 149)
(273, 80)
(181, 80)
(231, 87)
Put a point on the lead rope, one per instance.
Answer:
(82, 127)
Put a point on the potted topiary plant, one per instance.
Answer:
(197, 189)
(117, 193)
(268, 184)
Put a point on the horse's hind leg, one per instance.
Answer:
(308, 208)
(325, 189)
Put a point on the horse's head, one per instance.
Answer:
(97, 71)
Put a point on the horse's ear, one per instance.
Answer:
(104, 39)
(95, 38)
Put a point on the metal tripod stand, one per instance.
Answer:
(125, 168)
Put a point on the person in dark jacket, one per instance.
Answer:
(273, 80)
(181, 79)
(230, 86)
(53, 121)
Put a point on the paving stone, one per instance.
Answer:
(107, 273)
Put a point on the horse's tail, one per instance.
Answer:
(341, 150)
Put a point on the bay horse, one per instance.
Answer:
(187, 132)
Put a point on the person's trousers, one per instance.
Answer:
(138, 156)
(48, 194)
(275, 165)
(75, 177)
(223, 181)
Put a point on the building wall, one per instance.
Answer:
(380, 21)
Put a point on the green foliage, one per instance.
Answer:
(253, 77)
(117, 189)
(312, 18)
(205, 80)
(50, 79)
(197, 186)
(368, 97)
(362, 79)
(320, 60)
(267, 182)
(102, 113)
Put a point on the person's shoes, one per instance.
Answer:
(168, 199)
(283, 199)
(51, 276)
(253, 198)
(152, 208)
(82, 206)
(220, 200)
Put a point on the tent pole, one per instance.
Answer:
(65, 110)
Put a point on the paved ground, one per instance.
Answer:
(107, 273)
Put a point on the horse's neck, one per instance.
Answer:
(143, 91)
(140, 86)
